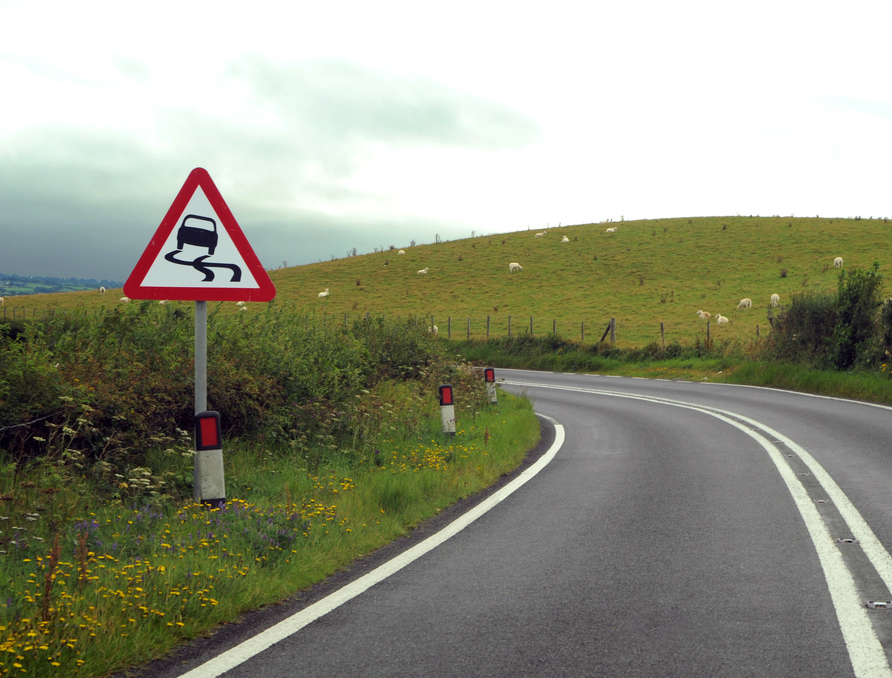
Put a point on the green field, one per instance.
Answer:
(647, 273)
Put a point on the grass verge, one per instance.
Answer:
(144, 578)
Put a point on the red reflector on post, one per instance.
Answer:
(489, 374)
(445, 394)
(207, 431)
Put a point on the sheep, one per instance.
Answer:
(721, 320)
(745, 303)
(514, 266)
(775, 300)
(424, 270)
(240, 303)
(433, 329)
(401, 252)
(243, 308)
(565, 239)
(101, 290)
(324, 294)
(124, 300)
(540, 235)
(837, 263)
(611, 230)
(163, 302)
(704, 315)
(1, 301)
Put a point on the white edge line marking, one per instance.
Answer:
(866, 653)
(253, 646)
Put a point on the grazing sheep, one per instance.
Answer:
(433, 329)
(539, 235)
(240, 303)
(101, 290)
(611, 230)
(424, 270)
(125, 299)
(163, 302)
(721, 320)
(514, 266)
(324, 294)
(704, 315)
(243, 308)
(1, 301)
(775, 300)
(401, 252)
(565, 239)
(745, 303)
(837, 263)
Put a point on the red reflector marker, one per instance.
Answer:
(490, 374)
(445, 394)
(207, 431)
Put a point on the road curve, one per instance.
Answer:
(682, 529)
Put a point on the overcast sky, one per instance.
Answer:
(333, 125)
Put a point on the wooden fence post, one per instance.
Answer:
(449, 327)
(613, 331)
(553, 326)
(662, 335)
(469, 329)
(707, 334)
(487, 327)
(757, 331)
(509, 325)
(531, 325)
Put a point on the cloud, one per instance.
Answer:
(281, 141)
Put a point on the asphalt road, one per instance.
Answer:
(680, 529)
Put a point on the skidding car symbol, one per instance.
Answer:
(194, 235)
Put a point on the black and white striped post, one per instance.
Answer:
(209, 485)
(489, 375)
(447, 409)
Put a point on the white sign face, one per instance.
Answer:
(199, 246)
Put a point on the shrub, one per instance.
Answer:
(859, 296)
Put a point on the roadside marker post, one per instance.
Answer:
(210, 485)
(447, 409)
(489, 375)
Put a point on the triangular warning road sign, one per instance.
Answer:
(199, 253)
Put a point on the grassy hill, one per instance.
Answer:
(648, 272)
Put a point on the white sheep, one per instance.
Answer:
(704, 315)
(721, 320)
(514, 266)
(124, 300)
(1, 301)
(324, 294)
(611, 230)
(163, 302)
(539, 235)
(433, 329)
(837, 263)
(243, 308)
(424, 270)
(745, 303)
(565, 239)
(240, 303)
(775, 300)
(101, 290)
(401, 252)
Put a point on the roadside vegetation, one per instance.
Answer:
(333, 448)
